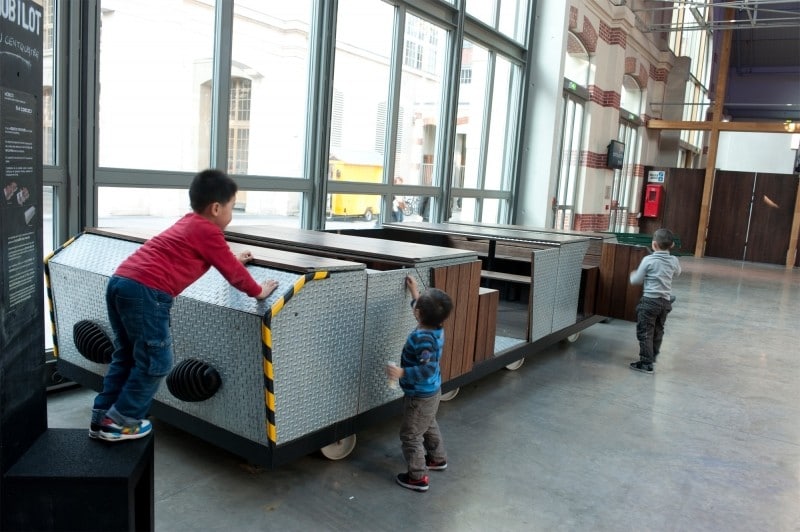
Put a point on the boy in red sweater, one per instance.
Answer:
(139, 298)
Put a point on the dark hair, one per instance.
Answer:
(664, 239)
(434, 306)
(211, 186)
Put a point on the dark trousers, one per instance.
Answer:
(651, 314)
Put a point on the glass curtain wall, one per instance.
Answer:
(696, 44)
(412, 105)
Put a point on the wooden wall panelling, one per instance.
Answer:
(683, 197)
(727, 222)
(771, 218)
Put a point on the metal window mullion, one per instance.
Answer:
(221, 84)
(480, 33)
(448, 120)
(322, 47)
(441, 13)
(512, 143)
(487, 126)
(84, 94)
(393, 104)
(65, 131)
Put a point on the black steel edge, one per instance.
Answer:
(524, 350)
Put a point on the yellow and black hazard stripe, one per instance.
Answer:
(51, 309)
(266, 347)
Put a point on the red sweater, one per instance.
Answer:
(181, 254)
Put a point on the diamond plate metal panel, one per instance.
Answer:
(317, 339)
(388, 320)
(565, 309)
(77, 295)
(95, 253)
(230, 342)
(317, 345)
(543, 287)
(501, 343)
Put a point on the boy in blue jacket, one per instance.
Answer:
(421, 381)
(655, 272)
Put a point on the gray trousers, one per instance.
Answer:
(419, 433)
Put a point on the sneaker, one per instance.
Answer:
(641, 366)
(94, 425)
(416, 484)
(434, 465)
(111, 431)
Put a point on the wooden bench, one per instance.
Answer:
(506, 283)
(506, 277)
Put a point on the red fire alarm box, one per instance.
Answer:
(653, 195)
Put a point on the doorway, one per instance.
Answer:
(751, 216)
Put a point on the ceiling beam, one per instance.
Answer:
(743, 127)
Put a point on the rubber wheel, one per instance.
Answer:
(514, 366)
(368, 215)
(339, 449)
(572, 338)
(449, 396)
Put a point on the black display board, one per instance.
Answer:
(23, 406)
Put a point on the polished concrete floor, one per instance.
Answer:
(573, 440)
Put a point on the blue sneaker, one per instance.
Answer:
(112, 431)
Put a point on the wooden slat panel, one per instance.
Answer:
(617, 298)
(439, 279)
(620, 281)
(461, 282)
(473, 282)
(451, 325)
(634, 291)
(605, 284)
(486, 329)
(588, 292)
(460, 296)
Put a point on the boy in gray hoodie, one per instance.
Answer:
(655, 272)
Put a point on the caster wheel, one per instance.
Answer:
(514, 366)
(339, 449)
(449, 396)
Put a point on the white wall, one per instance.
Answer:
(540, 153)
(755, 152)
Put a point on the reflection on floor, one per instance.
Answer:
(573, 440)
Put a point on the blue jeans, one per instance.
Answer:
(139, 318)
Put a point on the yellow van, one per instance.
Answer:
(359, 169)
